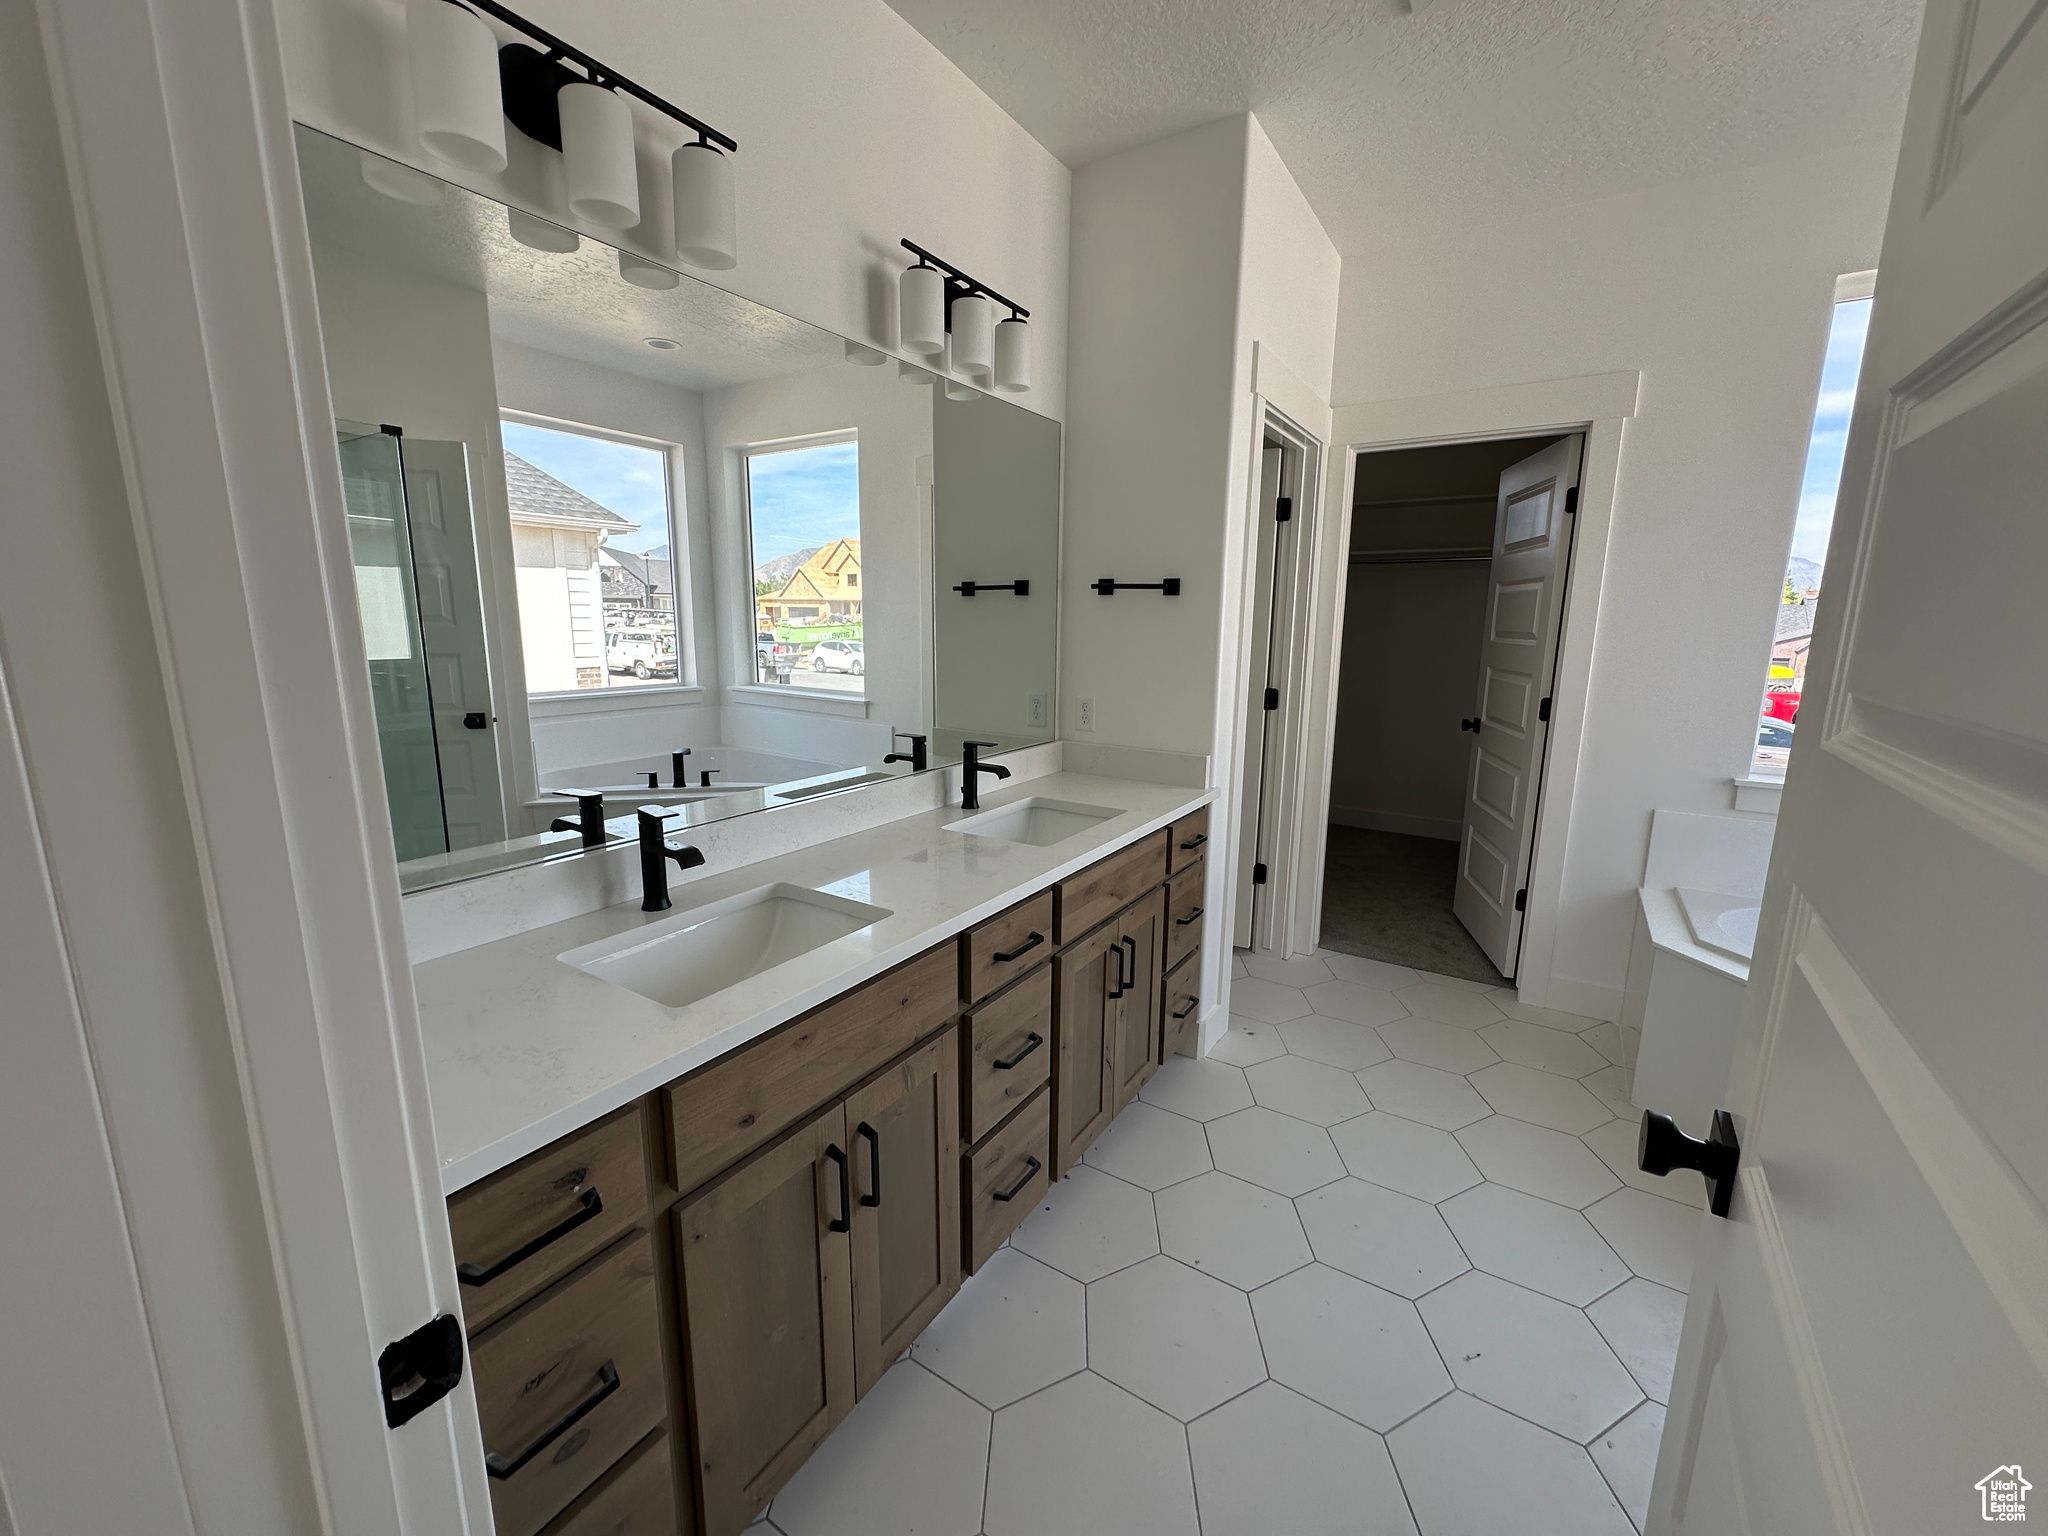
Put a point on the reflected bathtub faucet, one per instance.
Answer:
(655, 852)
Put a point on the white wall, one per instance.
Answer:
(1719, 291)
(854, 132)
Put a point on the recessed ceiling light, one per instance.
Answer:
(661, 343)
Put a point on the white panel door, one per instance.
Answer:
(1250, 926)
(1866, 1339)
(1532, 540)
(437, 511)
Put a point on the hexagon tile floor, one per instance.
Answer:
(1381, 1263)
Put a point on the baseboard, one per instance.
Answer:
(1588, 999)
(1213, 1024)
(1148, 765)
(1396, 821)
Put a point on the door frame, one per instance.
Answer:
(1597, 405)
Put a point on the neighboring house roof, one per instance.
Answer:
(535, 496)
(823, 576)
(1795, 621)
(651, 574)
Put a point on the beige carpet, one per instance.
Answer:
(1387, 897)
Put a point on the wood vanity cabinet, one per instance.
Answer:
(1181, 1004)
(1140, 932)
(1085, 1022)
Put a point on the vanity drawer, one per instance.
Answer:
(1007, 945)
(568, 1384)
(1107, 887)
(636, 1498)
(1187, 840)
(1181, 1001)
(1184, 913)
(1009, 1051)
(743, 1101)
(529, 1224)
(1006, 1177)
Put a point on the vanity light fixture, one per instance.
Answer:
(401, 182)
(597, 154)
(910, 373)
(706, 225)
(955, 390)
(539, 233)
(862, 356)
(454, 58)
(642, 273)
(939, 303)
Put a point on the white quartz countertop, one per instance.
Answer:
(523, 1048)
(1670, 932)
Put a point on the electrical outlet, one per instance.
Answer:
(1084, 714)
(1034, 710)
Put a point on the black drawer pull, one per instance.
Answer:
(1194, 842)
(874, 1195)
(1025, 948)
(1032, 1166)
(1182, 922)
(608, 1383)
(843, 1222)
(1032, 1042)
(475, 1274)
(1193, 1004)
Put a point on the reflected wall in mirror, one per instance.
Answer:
(618, 530)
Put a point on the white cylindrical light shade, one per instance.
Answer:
(707, 229)
(1013, 357)
(456, 105)
(401, 182)
(910, 373)
(539, 233)
(864, 356)
(955, 390)
(974, 324)
(921, 309)
(642, 273)
(597, 155)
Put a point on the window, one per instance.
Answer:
(593, 546)
(803, 517)
(1785, 682)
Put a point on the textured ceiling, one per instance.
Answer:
(1461, 112)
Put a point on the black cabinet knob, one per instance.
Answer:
(1661, 1146)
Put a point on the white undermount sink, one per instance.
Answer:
(1722, 922)
(1037, 821)
(721, 945)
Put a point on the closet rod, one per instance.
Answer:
(1419, 556)
(1489, 497)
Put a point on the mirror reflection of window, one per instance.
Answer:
(803, 518)
(593, 542)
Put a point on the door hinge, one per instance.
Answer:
(1272, 698)
(1258, 874)
(1283, 509)
(1522, 899)
(1571, 500)
(420, 1369)
(1543, 710)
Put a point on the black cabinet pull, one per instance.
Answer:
(843, 1222)
(608, 1383)
(1132, 945)
(1025, 948)
(1194, 842)
(1661, 1146)
(589, 1208)
(874, 1195)
(1032, 1042)
(1031, 1168)
(1194, 916)
(1115, 955)
(1193, 1004)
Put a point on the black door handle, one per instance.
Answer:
(1031, 1167)
(588, 1209)
(504, 1466)
(1032, 1042)
(1661, 1146)
(1469, 725)
(1026, 947)
(874, 1195)
(476, 720)
(1182, 922)
(843, 1222)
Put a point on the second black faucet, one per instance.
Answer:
(971, 770)
(655, 852)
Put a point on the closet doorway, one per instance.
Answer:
(1455, 586)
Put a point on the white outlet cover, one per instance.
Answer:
(1084, 715)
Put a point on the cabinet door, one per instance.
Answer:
(904, 1127)
(763, 1268)
(1142, 939)
(1086, 992)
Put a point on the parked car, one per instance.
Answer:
(641, 652)
(771, 654)
(1773, 741)
(1782, 706)
(838, 656)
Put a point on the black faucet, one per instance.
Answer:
(704, 776)
(589, 817)
(971, 770)
(679, 771)
(653, 778)
(918, 757)
(655, 852)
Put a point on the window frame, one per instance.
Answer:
(574, 701)
(746, 453)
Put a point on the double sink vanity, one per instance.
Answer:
(710, 1171)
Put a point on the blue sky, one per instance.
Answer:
(1846, 333)
(627, 480)
(804, 498)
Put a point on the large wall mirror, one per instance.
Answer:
(617, 530)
